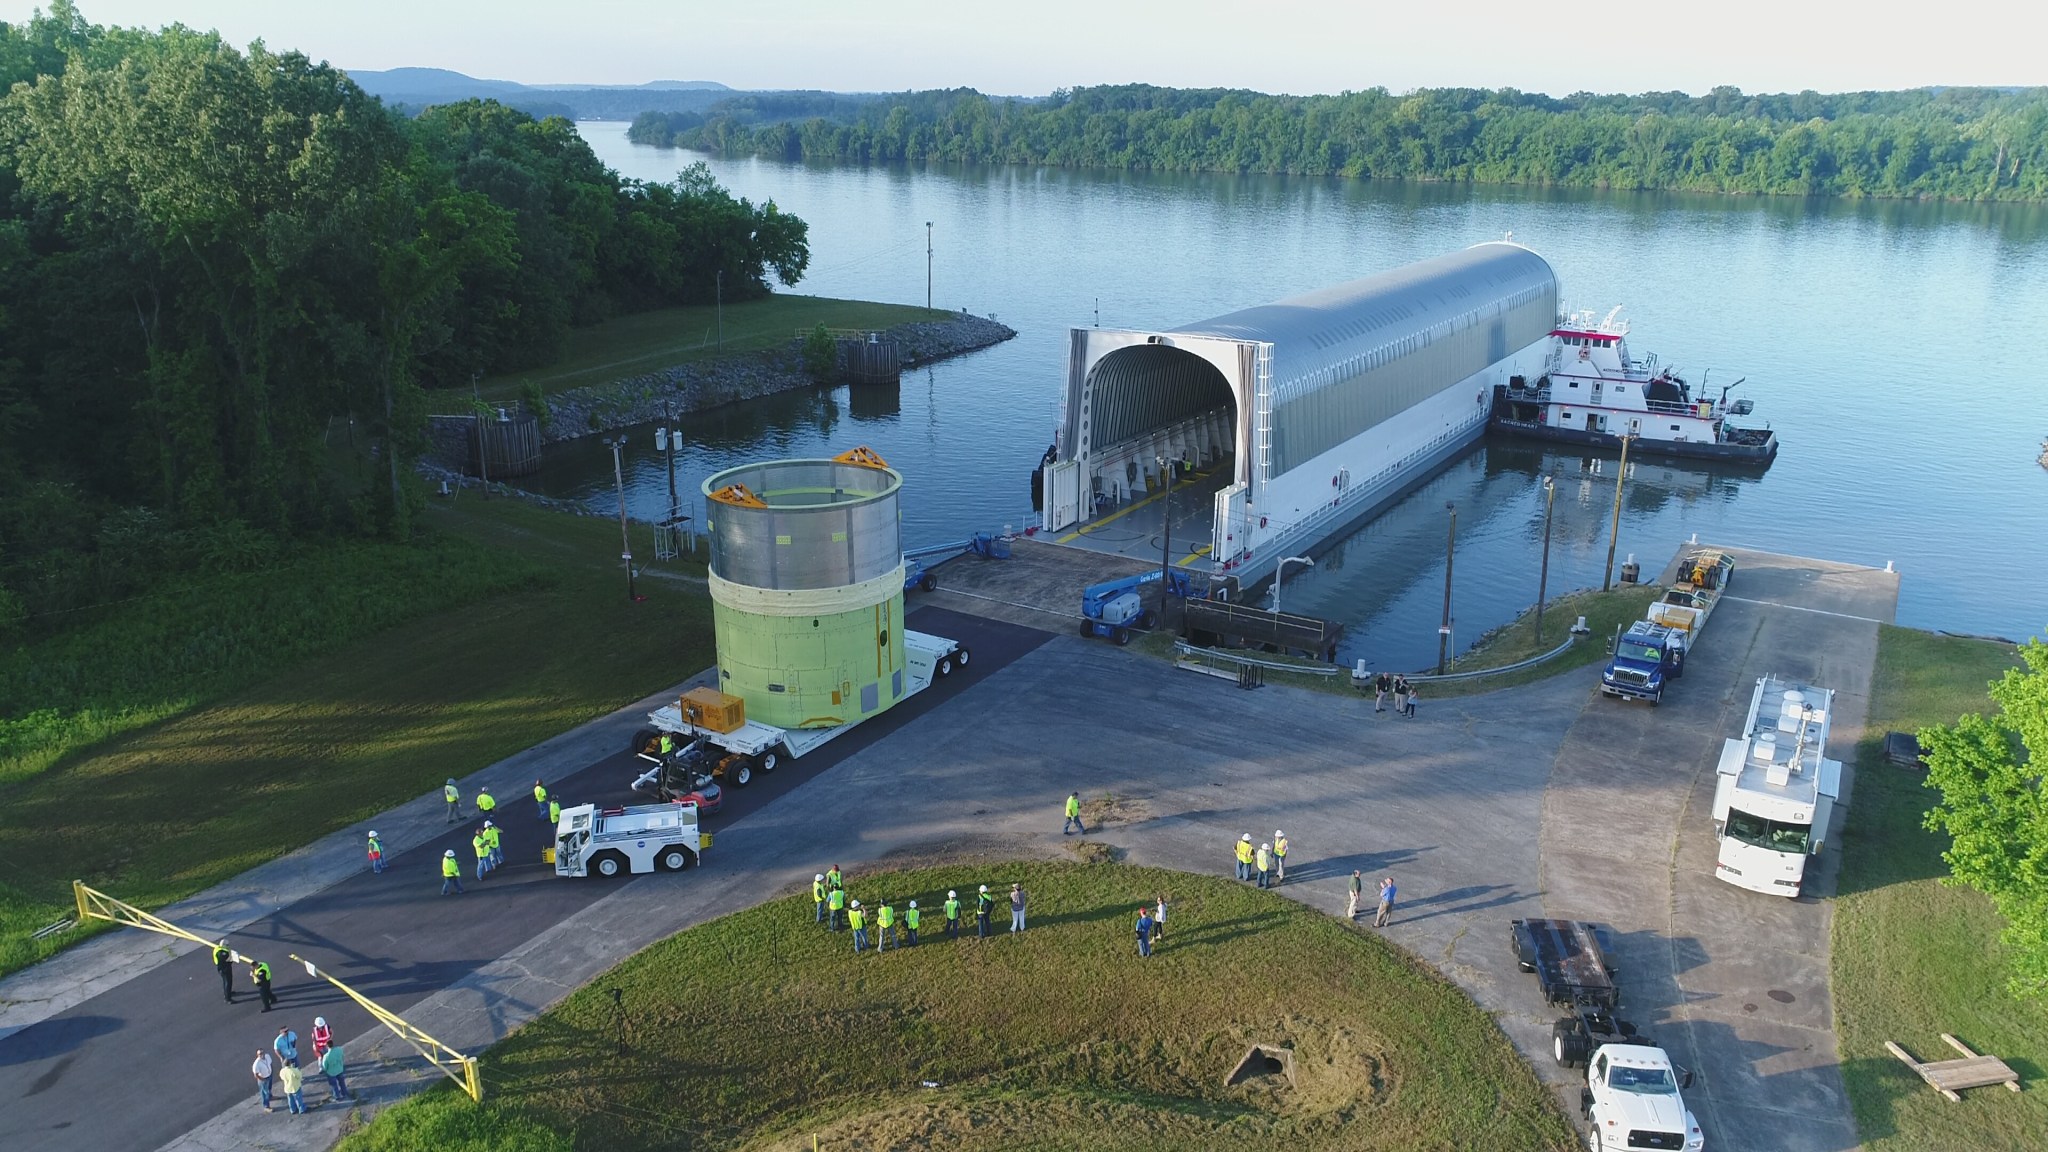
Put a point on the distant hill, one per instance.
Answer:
(417, 88)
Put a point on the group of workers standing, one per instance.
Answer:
(490, 854)
(1398, 687)
(834, 908)
(276, 1068)
(1267, 863)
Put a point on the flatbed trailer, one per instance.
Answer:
(734, 755)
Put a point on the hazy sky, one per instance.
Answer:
(1034, 46)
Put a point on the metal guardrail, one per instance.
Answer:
(96, 905)
(1188, 649)
(1478, 672)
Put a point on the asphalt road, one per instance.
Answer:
(141, 1064)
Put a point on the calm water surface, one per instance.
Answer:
(1896, 348)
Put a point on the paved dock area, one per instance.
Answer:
(1540, 800)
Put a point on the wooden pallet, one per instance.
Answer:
(1951, 1077)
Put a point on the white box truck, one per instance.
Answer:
(1775, 789)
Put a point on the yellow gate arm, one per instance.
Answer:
(453, 1064)
(94, 904)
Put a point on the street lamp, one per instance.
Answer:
(1614, 534)
(1543, 581)
(1281, 572)
(1443, 634)
(617, 444)
(927, 265)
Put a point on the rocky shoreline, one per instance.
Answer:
(698, 387)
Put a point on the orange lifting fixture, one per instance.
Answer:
(739, 496)
(864, 456)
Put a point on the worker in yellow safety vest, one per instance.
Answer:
(484, 803)
(1265, 862)
(491, 834)
(835, 903)
(1073, 815)
(667, 745)
(483, 853)
(833, 878)
(818, 896)
(910, 916)
(454, 799)
(224, 963)
(885, 920)
(451, 873)
(540, 801)
(858, 921)
(259, 975)
(1244, 857)
(555, 811)
(952, 915)
(1279, 856)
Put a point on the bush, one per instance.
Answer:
(821, 355)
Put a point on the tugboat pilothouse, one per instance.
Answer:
(1591, 392)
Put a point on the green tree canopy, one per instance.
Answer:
(1995, 810)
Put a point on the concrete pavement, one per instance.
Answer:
(1543, 799)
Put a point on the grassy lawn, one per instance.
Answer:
(1913, 958)
(648, 341)
(762, 1030)
(204, 776)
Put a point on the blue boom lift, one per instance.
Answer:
(1114, 607)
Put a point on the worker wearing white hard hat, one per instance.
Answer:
(952, 910)
(983, 905)
(451, 873)
(1279, 856)
(1264, 859)
(818, 896)
(1244, 856)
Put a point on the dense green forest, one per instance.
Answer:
(219, 268)
(1956, 143)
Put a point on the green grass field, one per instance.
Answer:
(1912, 957)
(517, 629)
(648, 341)
(762, 1030)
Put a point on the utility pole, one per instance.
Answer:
(1543, 581)
(927, 265)
(1166, 548)
(617, 445)
(673, 510)
(1443, 634)
(1614, 533)
(483, 468)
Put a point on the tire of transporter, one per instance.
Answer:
(960, 657)
(743, 772)
(1657, 699)
(641, 740)
(672, 858)
(608, 864)
(945, 667)
(769, 760)
(1087, 629)
(1146, 619)
(1568, 1045)
(928, 582)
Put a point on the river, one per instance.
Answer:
(1893, 346)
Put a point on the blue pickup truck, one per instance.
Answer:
(1645, 657)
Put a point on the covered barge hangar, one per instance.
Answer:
(1299, 418)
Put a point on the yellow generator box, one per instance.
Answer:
(710, 709)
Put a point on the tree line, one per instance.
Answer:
(212, 259)
(1953, 143)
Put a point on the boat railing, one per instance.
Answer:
(1702, 409)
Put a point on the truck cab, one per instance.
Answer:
(1645, 657)
(1632, 1100)
(608, 841)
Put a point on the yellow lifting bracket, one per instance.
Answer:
(739, 496)
(453, 1064)
(863, 456)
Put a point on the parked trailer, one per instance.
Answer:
(607, 842)
(701, 745)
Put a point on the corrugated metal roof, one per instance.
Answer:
(1314, 333)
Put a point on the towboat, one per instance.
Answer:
(1592, 392)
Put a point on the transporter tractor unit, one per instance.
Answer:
(590, 841)
(1114, 608)
(1631, 1098)
(1652, 652)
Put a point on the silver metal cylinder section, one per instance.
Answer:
(826, 524)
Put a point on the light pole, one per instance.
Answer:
(1443, 634)
(1543, 581)
(669, 441)
(1614, 534)
(1166, 545)
(1281, 572)
(927, 265)
(617, 444)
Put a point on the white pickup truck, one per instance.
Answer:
(1632, 1100)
